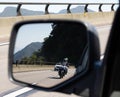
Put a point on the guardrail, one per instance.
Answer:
(68, 5)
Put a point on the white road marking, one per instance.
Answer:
(4, 43)
(18, 92)
(101, 57)
(104, 26)
(34, 84)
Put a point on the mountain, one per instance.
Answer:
(11, 11)
(27, 51)
(79, 9)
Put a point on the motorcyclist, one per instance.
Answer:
(65, 65)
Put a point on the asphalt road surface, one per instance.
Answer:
(7, 87)
(46, 78)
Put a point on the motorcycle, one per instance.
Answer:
(62, 71)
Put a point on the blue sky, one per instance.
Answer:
(32, 33)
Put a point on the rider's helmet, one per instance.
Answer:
(65, 59)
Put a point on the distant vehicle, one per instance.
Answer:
(63, 64)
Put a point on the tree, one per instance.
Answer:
(65, 40)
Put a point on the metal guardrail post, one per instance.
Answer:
(18, 10)
(86, 8)
(46, 9)
(68, 8)
(100, 7)
(112, 7)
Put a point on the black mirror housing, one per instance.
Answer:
(66, 38)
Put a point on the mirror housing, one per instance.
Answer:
(92, 57)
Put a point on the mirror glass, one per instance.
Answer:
(49, 53)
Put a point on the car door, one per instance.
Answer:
(111, 79)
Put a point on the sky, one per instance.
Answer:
(32, 33)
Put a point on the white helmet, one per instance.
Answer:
(66, 59)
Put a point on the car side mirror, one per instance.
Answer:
(51, 53)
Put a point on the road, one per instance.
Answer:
(6, 86)
(46, 78)
(103, 32)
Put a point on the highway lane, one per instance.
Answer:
(6, 85)
(103, 32)
(46, 78)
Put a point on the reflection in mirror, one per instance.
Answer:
(47, 54)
